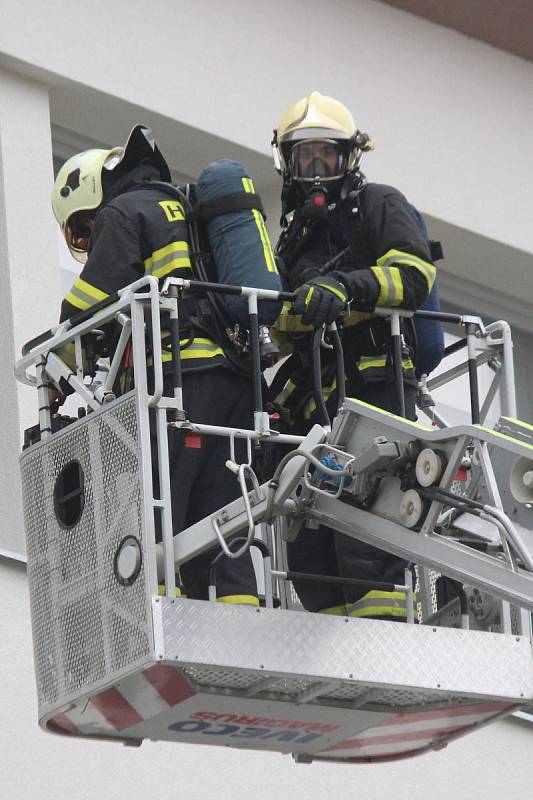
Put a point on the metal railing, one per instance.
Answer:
(137, 310)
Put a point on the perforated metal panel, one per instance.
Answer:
(289, 689)
(87, 627)
(429, 587)
(397, 698)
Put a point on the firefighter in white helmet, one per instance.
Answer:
(343, 241)
(120, 215)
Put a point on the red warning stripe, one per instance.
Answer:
(169, 683)
(380, 737)
(393, 738)
(116, 709)
(455, 711)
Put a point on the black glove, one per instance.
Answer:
(320, 301)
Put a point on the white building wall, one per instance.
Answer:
(453, 120)
(452, 116)
(28, 269)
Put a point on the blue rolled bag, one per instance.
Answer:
(233, 216)
(429, 337)
(429, 332)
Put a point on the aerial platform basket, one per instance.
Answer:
(115, 659)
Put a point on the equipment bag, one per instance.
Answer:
(241, 248)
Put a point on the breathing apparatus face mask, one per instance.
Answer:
(317, 167)
(78, 233)
(317, 160)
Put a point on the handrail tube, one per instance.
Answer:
(460, 344)
(384, 586)
(255, 354)
(455, 372)
(396, 337)
(125, 335)
(441, 316)
(267, 558)
(318, 397)
(64, 332)
(340, 374)
(238, 433)
(226, 288)
(509, 393)
(157, 352)
(472, 373)
(177, 377)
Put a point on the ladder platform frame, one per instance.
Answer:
(303, 683)
(115, 662)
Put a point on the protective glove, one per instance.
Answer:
(320, 301)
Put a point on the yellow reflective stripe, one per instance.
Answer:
(285, 393)
(504, 436)
(326, 393)
(198, 348)
(162, 590)
(520, 422)
(265, 241)
(309, 295)
(260, 222)
(350, 317)
(292, 323)
(76, 302)
(396, 278)
(248, 185)
(68, 354)
(390, 414)
(392, 257)
(390, 286)
(166, 356)
(379, 611)
(239, 599)
(83, 295)
(335, 611)
(341, 295)
(365, 362)
(377, 603)
(166, 259)
(201, 348)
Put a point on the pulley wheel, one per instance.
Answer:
(411, 508)
(429, 467)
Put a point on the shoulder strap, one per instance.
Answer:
(229, 203)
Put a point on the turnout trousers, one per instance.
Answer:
(200, 483)
(324, 551)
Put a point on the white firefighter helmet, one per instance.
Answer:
(79, 187)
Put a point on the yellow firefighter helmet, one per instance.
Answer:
(318, 129)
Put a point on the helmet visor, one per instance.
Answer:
(317, 158)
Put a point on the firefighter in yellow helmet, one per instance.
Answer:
(344, 241)
(121, 216)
